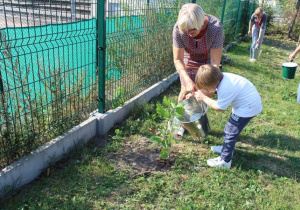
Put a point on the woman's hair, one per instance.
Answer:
(208, 76)
(258, 12)
(191, 16)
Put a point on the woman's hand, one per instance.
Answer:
(249, 33)
(258, 40)
(189, 95)
(292, 56)
(190, 86)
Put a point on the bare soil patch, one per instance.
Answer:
(139, 157)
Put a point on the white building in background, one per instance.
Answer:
(271, 3)
(131, 7)
(275, 4)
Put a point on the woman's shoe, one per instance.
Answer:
(179, 134)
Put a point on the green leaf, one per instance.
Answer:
(171, 136)
(166, 101)
(153, 117)
(164, 144)
(180, 104)
(164, 153)
(117, 131)
(161, 111)
(156, 139)
(117, 138)
(180, 110)
(169, 144)
(120, 91)
(173, 105)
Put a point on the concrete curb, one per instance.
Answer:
(28, 168)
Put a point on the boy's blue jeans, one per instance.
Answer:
(232, 130)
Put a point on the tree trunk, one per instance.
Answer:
(293, 21)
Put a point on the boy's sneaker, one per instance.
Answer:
(218, 162)
(217, 149)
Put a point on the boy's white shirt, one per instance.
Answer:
(240, 93)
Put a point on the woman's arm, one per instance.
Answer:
(260, 34)
(293, 55)
(262, 27)
(215, 56)
(178, 54)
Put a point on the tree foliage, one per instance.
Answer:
(289, 11)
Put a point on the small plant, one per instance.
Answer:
(168, 110)
(119, 96)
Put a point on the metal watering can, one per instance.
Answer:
(194, 118)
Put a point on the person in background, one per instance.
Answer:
(197, 40)
(257, 28)
(293, 55)
(232, 90)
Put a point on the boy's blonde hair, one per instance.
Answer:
(258, 12)
(191, 16)
(208, 76)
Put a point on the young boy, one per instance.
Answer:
(232, 90)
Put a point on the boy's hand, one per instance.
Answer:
(200, 95)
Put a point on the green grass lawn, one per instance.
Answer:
(125, 173)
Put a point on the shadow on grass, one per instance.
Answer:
(279, 44)
(266, 158)
(279, 141)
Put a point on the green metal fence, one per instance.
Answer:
(62, 59)
(48, 72)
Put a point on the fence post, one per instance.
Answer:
(2, 100)
(238, 20)
(223, 10)
(101, 48)
(1, 84)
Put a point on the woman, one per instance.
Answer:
(197, 40)
(257, 28)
